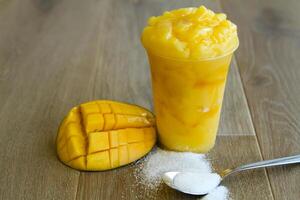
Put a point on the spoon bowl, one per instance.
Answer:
(186, 182)
(190, 183)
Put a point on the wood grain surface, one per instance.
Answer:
(241, 186)
(57, 54)
(269, 63)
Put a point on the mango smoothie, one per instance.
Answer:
(189, 51)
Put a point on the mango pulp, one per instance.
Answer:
(188, 98)
(189, 51)
(101, 135)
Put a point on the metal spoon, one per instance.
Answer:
(169, 177)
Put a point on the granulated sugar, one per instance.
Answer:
(160, 161)
(196, 183)
(220, 193)
(149, 171)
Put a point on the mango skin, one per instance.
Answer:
(101, 135)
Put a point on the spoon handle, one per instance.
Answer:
(265, 163)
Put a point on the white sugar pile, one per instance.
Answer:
(220, 193)
(149, 172)
(160, 161)
(196, 183)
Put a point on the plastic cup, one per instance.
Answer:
(188, 97)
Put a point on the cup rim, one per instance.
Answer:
(196, 60)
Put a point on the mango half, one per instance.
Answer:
(102, 135)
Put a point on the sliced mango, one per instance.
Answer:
(102, 135)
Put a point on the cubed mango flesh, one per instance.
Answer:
(102, 135)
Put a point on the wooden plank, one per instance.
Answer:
(44, 72)
(235, 115)
(233, 151)
(269, 65)
(57, 54)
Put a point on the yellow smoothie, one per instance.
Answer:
(189, 51)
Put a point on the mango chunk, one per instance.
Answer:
(105, 108)
(78, 163)
(114, 157)
(135, 135)
(76, 147)
(93, 122)
(98, 141)
(114, 139)
(110, 121)
(123, 155)
(102, 135)
(98, 161)
(122, 137)
(135, 150)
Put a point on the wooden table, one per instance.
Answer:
(55, 54)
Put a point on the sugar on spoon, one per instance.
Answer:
(202, 183)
